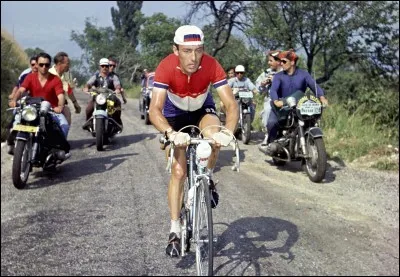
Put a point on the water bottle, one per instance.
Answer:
(203, 152)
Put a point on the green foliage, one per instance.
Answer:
(101, 42)
(375, 98)
(13, 61)
(34, 51)
(156, 39)
(127, 20)
(336, 32)
(352, 135)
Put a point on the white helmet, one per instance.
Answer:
(239, 68)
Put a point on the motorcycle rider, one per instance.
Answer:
(46, 85)
(285, 83)
(101, 79)
(61, 69)
(181, 98)
(113, 65)
(33, 68)
(240, 82)
(263, 83)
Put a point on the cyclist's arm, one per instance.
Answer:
(155, 111)
(231, 106)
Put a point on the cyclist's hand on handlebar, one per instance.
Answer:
(179, 138)
(223, 138)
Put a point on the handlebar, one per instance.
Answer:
(196, 140)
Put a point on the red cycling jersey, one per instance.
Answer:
(188, 93)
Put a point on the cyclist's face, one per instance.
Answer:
(189, 57)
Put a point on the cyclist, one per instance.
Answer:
(181, 98)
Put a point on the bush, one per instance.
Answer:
(13, 61)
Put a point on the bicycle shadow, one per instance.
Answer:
(75, 170)
(246, 241)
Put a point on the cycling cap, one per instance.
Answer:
(189, 35)
(103, 61)
(239, 68)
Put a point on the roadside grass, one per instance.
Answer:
(133, 91)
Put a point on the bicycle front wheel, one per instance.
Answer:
(203, 231)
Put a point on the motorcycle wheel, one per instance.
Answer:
(100, 133)
(146, 118)
(141, 109)
(21, 165)
(315, 166)
(246, 129)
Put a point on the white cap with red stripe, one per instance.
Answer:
(189, 35)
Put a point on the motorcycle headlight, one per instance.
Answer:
(29, 113)
(101, 99)
(291, 101)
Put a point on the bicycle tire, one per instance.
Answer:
(203, 231)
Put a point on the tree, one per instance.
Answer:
(31, 52)
(334, 32)
(156, 38)
(100, 42)
(127, 20)
(229, 15)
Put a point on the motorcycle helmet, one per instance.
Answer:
(239, 68)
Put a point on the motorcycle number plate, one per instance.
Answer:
(310, 108)
(24, 128)
(245, 94)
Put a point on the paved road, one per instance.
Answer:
(106, 213)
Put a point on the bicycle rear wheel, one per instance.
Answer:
(203, 231)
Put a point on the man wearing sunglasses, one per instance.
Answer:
(103, 79)
(263, 83)
(46, 85)
(113, 65)
(285, 83)
(240, 82)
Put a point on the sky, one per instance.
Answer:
(48, 24)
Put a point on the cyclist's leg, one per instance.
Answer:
(175, 198)
(207, 120)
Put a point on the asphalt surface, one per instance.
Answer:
(106, 213)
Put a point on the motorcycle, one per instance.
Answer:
(39, 141)
(299, 136)
(101, 124)
(246, 114)
(145, 98)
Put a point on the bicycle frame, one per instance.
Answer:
(194, 212)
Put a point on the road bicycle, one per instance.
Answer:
(196, 213)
